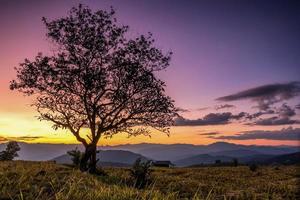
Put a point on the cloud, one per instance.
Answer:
(286, 111)
(209, 119)
(283, 134)
(298, 106)
(3, 139)
(20, 138)
(202, 109)
(275, 121)
(223, 106)
(182, 110)
(266, 95)
(260, 113)
(284, 115)
(209, 133)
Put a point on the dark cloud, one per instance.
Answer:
(182, 110)
(260, 113)
(283, 134)
(209, 133)
(273, 121)
(266, 95)
(286, 111)
(297, 106)
(210, 119)
(223, 106)
(284, 115)
(20, 138)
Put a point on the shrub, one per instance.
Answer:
(10, 152)
(253, 167)
(218, 162)
(75, 156)
(140, 172)
(235, 162)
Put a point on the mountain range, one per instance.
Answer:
(179, 154)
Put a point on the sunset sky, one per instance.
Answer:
(235, 71)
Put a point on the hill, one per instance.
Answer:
(287, 159)
(201, 159)
(116, 158)
(49, 181)
(172, 152)
(238, 153)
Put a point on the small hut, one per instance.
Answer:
(163, 163)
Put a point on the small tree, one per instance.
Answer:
(97, 79)
(253, 167)
(10, 152)
(235, 162)
(217, 162)
(75, 156)
(140, 173)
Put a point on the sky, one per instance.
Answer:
(234, 71)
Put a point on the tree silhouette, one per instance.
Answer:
(10, 152)
(97, 79)
(75, 156)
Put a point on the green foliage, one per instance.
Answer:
(253, 167)
(49, 181)
(140, 172)
(75, 156)
(10, 152)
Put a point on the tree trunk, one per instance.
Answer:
(93, 160)
(90, 151)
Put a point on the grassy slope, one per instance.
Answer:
(41, 180)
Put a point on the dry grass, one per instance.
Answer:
(43, 180)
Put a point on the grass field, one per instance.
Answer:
(43, 180)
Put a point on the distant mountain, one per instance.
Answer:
(286, 159)
(236, 153)
(201, 159)
(42, 152)
(116, 158)
(257, 158)
(172, 152)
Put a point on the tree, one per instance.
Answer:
(97, 79)
(75, 156)
(235, 162)
(217, 162)
(10, 152)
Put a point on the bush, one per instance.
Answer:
(218, 162)
(75, 156)
(10, 152)
(253, 167)
(235, 162)
(140, 172)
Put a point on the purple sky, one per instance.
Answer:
(220, 47)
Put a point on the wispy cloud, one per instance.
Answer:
(202, 109)
(183, 110)
(209, 133)
(224, 106)
(290, 133)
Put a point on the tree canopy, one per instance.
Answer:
(97, 78)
